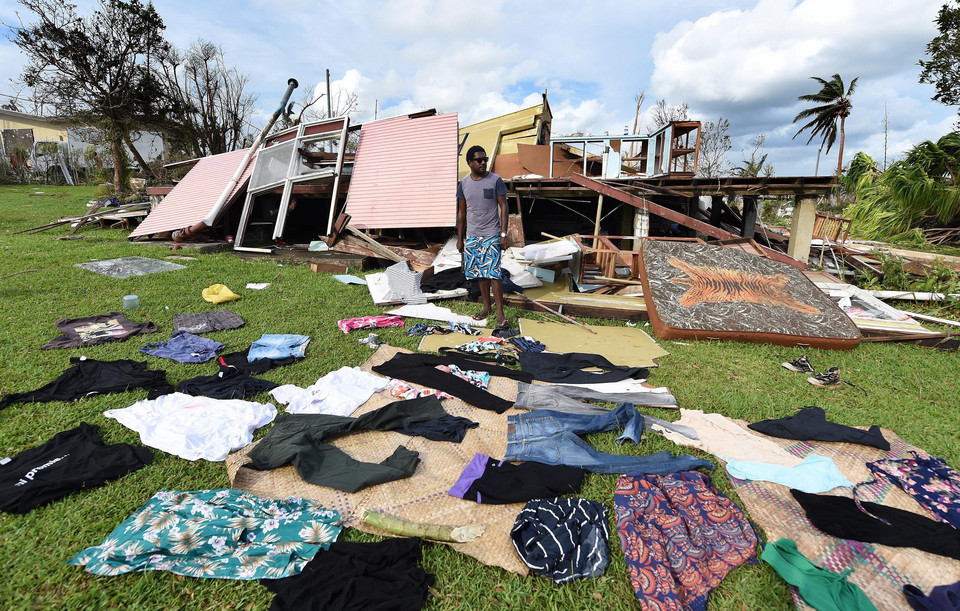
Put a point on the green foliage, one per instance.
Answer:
(96, 70)
(827, 118)
(943, 67)
(919, 189)
(912, 390)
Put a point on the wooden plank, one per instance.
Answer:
(645, 204)
(327, 268)
(667, 213)
(573, 309)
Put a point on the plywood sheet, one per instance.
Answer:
(626, 346)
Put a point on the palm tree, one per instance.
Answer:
(832, 104)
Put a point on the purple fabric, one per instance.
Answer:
(472, 472)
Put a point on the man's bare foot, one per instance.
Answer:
(503, 324)
(481, 315)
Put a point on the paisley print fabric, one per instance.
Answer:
(226, 534)
(680, 537)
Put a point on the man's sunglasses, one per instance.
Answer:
(480, 159)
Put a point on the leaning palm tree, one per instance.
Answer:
(833, 106)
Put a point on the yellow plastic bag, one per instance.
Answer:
(219, 293)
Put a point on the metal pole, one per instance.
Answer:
(329, 103)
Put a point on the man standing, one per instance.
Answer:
(481, 229)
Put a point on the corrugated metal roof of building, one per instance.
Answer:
(194, 196)
(522, 125)
(405, 174)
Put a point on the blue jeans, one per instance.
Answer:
(278, 346)
(550, 437)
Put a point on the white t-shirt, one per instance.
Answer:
(337, 393)
(195, 427)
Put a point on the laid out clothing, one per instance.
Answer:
(489, 481)
(369, 322)
(552, 438)
(276, 346)
(402, 390)
(649, 396)
(563, 538)
(356, 577)
(928, 479)
(223, 534)
(724, 438)
(205, 322)
(628, 385)
(480, 379)
(338, 393)
(559, 398)
(92, 377)
(570, 368)
(941, 598)
(301, 439)
(184, 347)
(228, 383)
(814, 474)
(421, 369)
(524, 344)
(195, 428)
(483, 211)
(69, 461)
(93, 330)
(445, 428)
(680, 538)
(239, 361)
(840, 517)
(821, 589)
(810, 424)
(482, 258)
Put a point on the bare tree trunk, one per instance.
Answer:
(840, 155)
(116, 150)
(138, 157)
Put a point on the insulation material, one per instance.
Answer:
(702, 291)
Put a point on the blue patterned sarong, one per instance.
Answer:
(481, 258)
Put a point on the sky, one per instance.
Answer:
(744, 61)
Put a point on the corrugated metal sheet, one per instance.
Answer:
(405, 174)
(500, 135)
(194, 196)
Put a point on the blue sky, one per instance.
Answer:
(744, 61)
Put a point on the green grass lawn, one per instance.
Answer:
(911, 390)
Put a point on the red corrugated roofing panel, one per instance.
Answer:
(405, 174)
(194, 196)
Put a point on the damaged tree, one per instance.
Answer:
(96, 71)
(214, 108)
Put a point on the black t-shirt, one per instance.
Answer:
(69, 461)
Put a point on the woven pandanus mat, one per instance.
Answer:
(422, 497)
(881, 571)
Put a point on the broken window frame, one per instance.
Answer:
(297, 138)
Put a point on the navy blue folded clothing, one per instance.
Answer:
(810, 424)
(228, 383)
(563, 539)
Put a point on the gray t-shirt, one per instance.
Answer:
(483, 214)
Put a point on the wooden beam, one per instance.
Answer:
(645, 204)
(677, 217)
